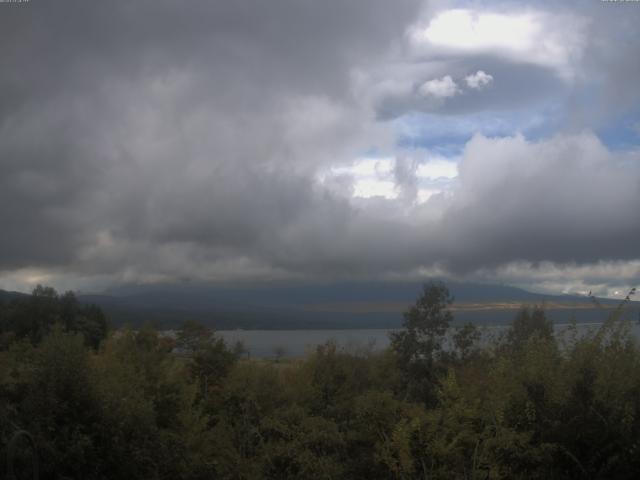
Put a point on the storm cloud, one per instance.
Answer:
(221, 141)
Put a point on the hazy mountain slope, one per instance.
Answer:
(343, 305)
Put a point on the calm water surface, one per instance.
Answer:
(296, 343)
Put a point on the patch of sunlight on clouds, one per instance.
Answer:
(366, 167)
(437, 168)
(368, 188)
(375, 177)
(469, 30)
(529, 36)
(24, 280)
(371, 177)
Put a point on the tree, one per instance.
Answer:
(210, 359)
(33, 317)
(464, 340)
(528, 324)
(59, 406)
(418, 345)
(193, 336)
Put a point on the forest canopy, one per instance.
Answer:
(438, 403)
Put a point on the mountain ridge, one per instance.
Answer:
(323, 305)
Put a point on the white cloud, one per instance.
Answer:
(369, 176)
(366, 166)
(443, 87)
(437, 168)
(378, 176)
(367, 188)
(603, 278)
(478, 80)
(470, 30)
(550, 40)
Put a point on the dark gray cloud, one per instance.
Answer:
(157, 122)
(150, 140)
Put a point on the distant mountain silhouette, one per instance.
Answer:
(282, 305)
(7, 296)
(311, 293)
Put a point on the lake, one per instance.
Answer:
(296, 343)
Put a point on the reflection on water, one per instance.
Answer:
(296, 343)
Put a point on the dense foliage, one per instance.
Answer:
(436, 404)
(32, 317)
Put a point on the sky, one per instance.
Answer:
(156, 141)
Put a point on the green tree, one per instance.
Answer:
(58, 404)
(418, 345)
(527, 324)
(33, 317)
(465, 340)
(209, 358)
